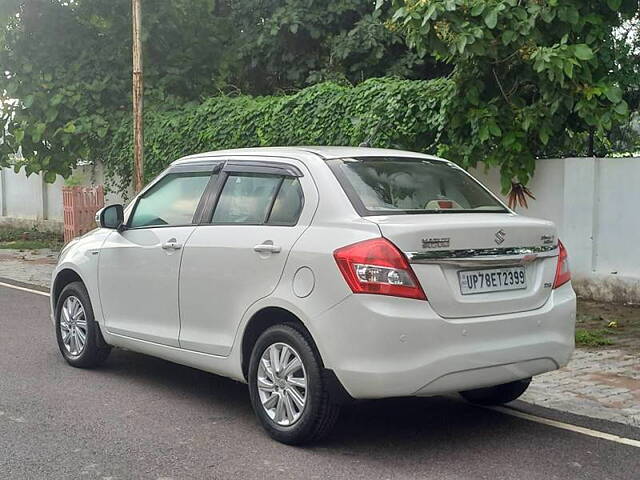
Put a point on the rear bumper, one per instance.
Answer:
(385, 346)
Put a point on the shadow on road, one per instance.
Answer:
(389, 423)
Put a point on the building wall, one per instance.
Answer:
(594, 202)
(30, 201)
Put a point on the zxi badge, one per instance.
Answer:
(500, 236)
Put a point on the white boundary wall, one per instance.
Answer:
(595, 202)
(30, 201)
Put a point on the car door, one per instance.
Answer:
(139, 266)
(238, 254)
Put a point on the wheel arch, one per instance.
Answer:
(63, 278)
(263, 319)
(269, 316)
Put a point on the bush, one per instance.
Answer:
(386, 112)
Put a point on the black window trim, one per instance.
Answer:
(230, 167)
(253, 166)
(207, 166)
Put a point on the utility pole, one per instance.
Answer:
(138, 135)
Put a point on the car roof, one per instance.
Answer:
(323, 152)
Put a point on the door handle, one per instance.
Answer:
(171, 245)
(267, 248)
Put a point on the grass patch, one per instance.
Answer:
(29, 245)
(592, 338)
(12, 238)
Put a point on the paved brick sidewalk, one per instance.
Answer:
(596, 383)
(602, 383)
(33, 267)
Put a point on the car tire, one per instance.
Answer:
(319, 413)
(498, 394)
(74, 321)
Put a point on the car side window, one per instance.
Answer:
(171, 201)
(246, 198)
(288, 204)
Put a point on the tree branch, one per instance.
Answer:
(500, 86)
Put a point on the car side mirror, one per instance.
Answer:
(111, 217)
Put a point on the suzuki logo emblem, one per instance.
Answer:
(500, 235)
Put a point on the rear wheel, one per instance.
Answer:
(79, 338)
(498, 394)
(287, 390)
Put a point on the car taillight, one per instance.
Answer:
(377, 266)
(563, 273)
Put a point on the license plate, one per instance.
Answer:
(492, 280)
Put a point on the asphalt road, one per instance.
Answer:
(139, 417)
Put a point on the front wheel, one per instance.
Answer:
(498, 394)
(79, 338)
(287, 390)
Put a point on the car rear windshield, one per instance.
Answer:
(396, 185)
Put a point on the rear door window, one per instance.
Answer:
(258, 199)
(246, 198)
(288, 203)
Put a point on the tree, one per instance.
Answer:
(285, 44)
(532, 78)
(65, 81)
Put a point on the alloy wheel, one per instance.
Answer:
(282, 384)
(73, 326)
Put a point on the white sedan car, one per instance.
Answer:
(319, 275)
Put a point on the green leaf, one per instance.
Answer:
(477, 9)
(473, 96)
(509, 139)
(614, 4)
(19, 134)
(613, 94)
(505, 183)
(69, 128)
(583, 52)
(39, 129)
(544, 136)
(293, 28)
(28, 101)
(573, 16)
(491, 19)
(508, 36)
(548, 14)
(495, 130)
(399, 13)
(568, 69)
(102, 131)
(56, 99)
(52, 114)
(622, 108)
(483, 133)
(50, 177)
(461, 43)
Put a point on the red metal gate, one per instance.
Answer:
(80, 207)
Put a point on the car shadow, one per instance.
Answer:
(189, 384)
(395, 424)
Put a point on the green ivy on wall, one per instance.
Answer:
(386, 112)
